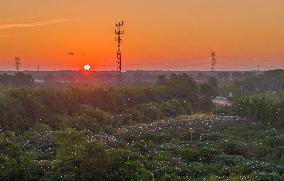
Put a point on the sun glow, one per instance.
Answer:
(87, 67)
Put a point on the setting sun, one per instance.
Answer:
(87, 67)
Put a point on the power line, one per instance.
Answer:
(177, 63)
(172, 61)
(17, 63)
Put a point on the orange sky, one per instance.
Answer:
(160, 34)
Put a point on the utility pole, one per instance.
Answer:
(258, 68)
(214, 60)
(119, 32)
(38, 68)
(17, 63)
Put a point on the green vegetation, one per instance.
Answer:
(95, 109)
(19, 79)
(267, 108)
(248, 83)
(139, 134)
(186, 148)
(270, 81)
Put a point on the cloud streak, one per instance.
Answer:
(34, 24)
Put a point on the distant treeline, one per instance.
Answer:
(252, 83)
(97, 108)
(269, 81)
(19, 79)
(267, 108)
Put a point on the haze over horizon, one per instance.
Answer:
(160, 35)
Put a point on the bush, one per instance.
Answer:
(259, 108)
(190, 154)
(148, 112)
(236, 148)
(173, 107)
(91, 119)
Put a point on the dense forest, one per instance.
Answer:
(164, 131)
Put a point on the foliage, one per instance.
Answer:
(261, 108)
(250, 83)
(19, 79)
(131, 134)
(186, 148)
(94, 109)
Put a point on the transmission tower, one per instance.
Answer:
(214, 60)
(17, 63)
(119, 32)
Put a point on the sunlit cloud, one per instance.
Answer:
(34, 24)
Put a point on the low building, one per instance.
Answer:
(222, 103)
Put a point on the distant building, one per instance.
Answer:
(222, 103)
(38, 81)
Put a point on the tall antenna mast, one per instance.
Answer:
(119, 32)
(17, 63)
(214, 60)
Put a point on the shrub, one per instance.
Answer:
(91, 119)
(236, 148)
(149, 111)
